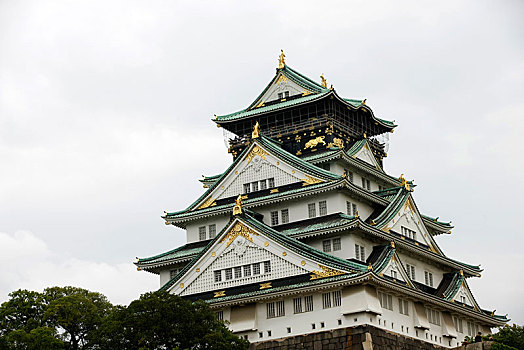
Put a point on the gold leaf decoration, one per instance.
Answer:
(238, 230)
(310, 181)
(314, 142)
(256, 151)
(338, 143)
(221, 293)
(265, 285)
(209, 202)
(325, 272)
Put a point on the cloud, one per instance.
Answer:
(30, 264)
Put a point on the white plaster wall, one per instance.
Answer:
(390, 320)
(164, 277)
(420, 267)
(192, 228)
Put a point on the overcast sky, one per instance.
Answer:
(105, 111)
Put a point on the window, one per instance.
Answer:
(260, 334)
(247, 188)
(428, 278)
(472, 329)
(411, 271)
(238, 272)
(202, 233)
(212, 231)
(458, 324)
(247, 270)
(312, 210)
(289, 329)
(326, 300)
(263, 185)
(394, 274)
(274, 218)
(269, 333)
(366, 184)
(322, 208)
(285, 215)
(351, 208)
(308, 303)
(267, 266)
(229, 274)
(220, 315)
(256, 269)
(386, 300)
(462, 299)
(433, 316)
(326, 245)
(270, 182)
(337, 298)
(297, 305)
(280, 95)
(270, 310)
(349, 175)
(313, 326)
(218, 276)
(403, 307)
(254, 186)
(322, 324)
(336, 244)
(360, 252)
(173, 273)
(281, 311)
(408, 233)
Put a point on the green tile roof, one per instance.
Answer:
(331, 222)
(184, 251)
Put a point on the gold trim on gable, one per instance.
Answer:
(325, 272)
(209, 202)
(310, 181)
(256, 151)
(238, 230)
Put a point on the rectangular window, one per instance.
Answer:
(263, 185)
(218, 276)
(254, 186)
(270, 310)
(212, 231)
(349, 175)
(202, 233)
(363, 182)
(247, 270)
(458, 324)
(256, 269)
(326, 245)
(403, 306)
(308, 301)
(411, 271)
(285, 215)
(322, 208)
(281, 310)
(394, 274)
(280, 96)
(368, 185)
(172, 273)
(360, 253)
(408, 233)
(220, 315)
(326, 300)
(336, 244)
(386, 300)
(267, 266)
(312, 210)
(355, 211)
(274, 218)
(229, 273)
(238, 272)
(348, 208)
(286, 94)
(297, 305)
(337, 298)
(247, 188)
(433, 316)
(428, 278)
(270, 182)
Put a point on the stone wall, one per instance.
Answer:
(354, 338)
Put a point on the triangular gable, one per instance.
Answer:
(386, 262)
(362, 151)
(402, 215)
(245, 242)
(259, 162)
(395, 269)
(286, 80)
(464, 296)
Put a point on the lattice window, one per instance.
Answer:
(220, 315)
(408, 233)
(270, 182)
(229, 273)
(256, 269)
(254, 186)
(285, 215)
(270, 309)
(247, 270)
(308, 301)
(360, 252)
(274, 218)
(386, 300)
(433, 316)
(247, 188)
(218, 276)
(238, 272)
(267, 266)
(322, 208)
(411, 271)
(281, 310)
(337, 244)
(263, 185)
(428, 278)
(297, 305)
(212, 231)
(326, 300)
(326, 245)
(312, 210)
(403, 306)
(202, 233)
(337, 298)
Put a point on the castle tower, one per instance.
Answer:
(305, 231)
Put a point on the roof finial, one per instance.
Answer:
(324, 81)
(256, 131)
(237, 210)
(281, 60)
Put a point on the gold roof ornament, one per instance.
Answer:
(364, 101)
(392, 244)
(237, 210)
(370, 267)
(256, 131)
(281, 60)
(324, 81)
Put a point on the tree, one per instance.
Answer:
(511, 336)
(164, 321)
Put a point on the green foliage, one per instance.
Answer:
(499, 346)
(75, 318)
(512, 336)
